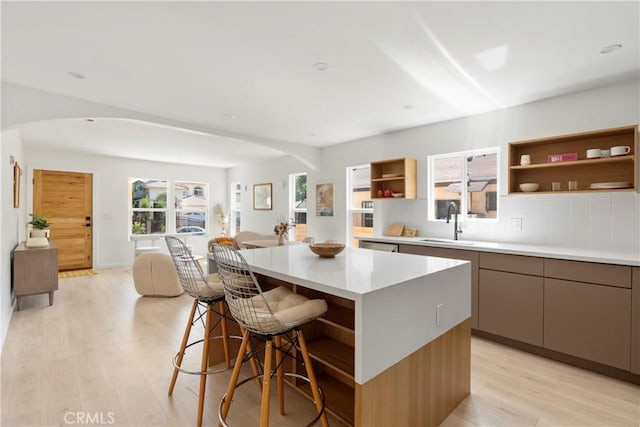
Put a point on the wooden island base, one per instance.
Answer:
(370, 376)
(423, 388)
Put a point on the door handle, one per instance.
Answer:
(87, 225)
(87, 218)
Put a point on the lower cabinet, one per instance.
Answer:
(588, 321)
(635, 320)
(511, 305)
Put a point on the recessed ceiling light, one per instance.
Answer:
(76, 75)
(408, 107)
(230, 116)
(89, 120)
(321, 66)
(611, 48)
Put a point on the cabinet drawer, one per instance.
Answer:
(588, 321)
(589, 272)
(510, 305)
(512, 263)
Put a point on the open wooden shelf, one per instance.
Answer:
(339, 316)
(339, 397)
(627, 158)
(404, 179)
(585, 171)
(333, 353)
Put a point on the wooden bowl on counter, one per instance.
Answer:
(326, 250)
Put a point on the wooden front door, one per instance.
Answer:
(67, 198)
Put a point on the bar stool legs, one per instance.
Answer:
(183, 346)
(206, 343)
(266, 378)
(317, 399)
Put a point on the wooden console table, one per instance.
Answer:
(35, 271)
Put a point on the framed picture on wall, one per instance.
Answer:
(324, 199)
(16, 184)
(262, 197)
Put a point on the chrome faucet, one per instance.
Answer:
(456, 229)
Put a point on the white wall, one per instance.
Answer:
(12, 220)
(590, 220)
(111, 246)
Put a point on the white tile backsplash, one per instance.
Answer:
(605, 221)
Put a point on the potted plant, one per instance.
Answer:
(39, 225)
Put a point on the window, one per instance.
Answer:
(236, 191)
(151, 213)
(360, 212)
(191, 207)
(298, 203)
(148, 206)
(469, 179)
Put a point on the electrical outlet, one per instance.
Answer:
(438, 307)
(515, 223)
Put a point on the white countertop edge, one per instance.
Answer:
(557, 252)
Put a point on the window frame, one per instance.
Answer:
(205, 210)
(462, 215)
(292, 199)
(235, 208)
(170, 211)
(350, 237)
(132, 210)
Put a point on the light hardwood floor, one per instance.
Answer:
(104, 352)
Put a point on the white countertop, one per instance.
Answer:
(352, 273)
(558, 252)
(402, 301)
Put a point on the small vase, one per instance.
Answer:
(280, 239)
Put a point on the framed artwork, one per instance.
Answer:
(16, 184)
(262, 197)
(324, 199)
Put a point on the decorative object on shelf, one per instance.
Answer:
(262, 197)
(222, 217)
(17, 172)
(525, 160)
(610, 185)
(324, 199)
(565, 157)
(281, 229)
(528, 187)
(327, 249)
(605, 153)
(573, 185)
(38, 233)
(593, 153)
(620, 150)
(397, 194)
(555, 186)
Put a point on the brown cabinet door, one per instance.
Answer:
(511, 305)
(464, 255)
(635, 321)
(66, 197)
(588, 321)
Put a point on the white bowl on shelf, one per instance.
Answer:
(529, 187)
(397, 194)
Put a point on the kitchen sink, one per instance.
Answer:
(448, 241)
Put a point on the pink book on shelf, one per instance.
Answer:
(566, 157)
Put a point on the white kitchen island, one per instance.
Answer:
(394, 346)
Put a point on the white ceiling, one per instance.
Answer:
(199, 62)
